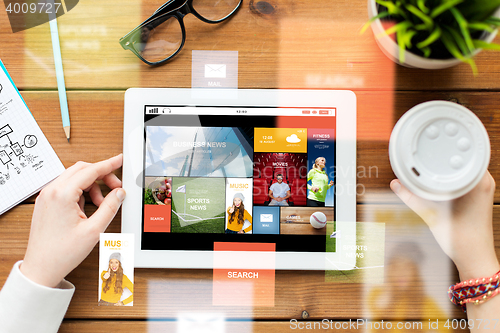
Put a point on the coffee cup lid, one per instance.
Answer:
(439, 150)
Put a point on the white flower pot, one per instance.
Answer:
(391, 49)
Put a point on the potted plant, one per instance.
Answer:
(433, 34)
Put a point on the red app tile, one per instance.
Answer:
(243, 287)
(157, 218)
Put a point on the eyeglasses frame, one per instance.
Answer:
(179, 12)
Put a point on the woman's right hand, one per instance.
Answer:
(231, 210)
(107, 274)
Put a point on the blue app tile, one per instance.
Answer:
(266, 220)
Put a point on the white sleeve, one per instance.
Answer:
(26, 306)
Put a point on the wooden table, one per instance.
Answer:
(301, 44)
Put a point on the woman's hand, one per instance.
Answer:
(107, 274)
(314, 189)
(231, 210)
(463, 227)
(119, 303)
(61, 234)
(331, 183)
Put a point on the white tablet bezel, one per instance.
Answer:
(345, 200)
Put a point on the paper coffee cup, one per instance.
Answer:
(439, 150)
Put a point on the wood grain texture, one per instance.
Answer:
(300, 229)
(97, 129)
(299, 45)
(373, 168)
(70, 326)
(163, 293)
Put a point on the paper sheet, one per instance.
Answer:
(27, 161)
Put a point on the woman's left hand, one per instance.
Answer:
(241, 232)
(331, 182)
(462, 227)
(119, 303)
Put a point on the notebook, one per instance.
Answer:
(27, 161)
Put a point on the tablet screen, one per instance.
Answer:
(238, 174)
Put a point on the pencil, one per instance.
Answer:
(63, 101)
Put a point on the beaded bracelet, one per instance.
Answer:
(474, 291)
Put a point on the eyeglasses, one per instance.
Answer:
(162, 35)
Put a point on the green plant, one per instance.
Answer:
(449, 27)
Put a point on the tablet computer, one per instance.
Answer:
(246, 178)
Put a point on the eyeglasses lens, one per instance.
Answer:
(158, 39)
(215, 10)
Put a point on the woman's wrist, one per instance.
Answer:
(37, 276)
(476, 255)
(478, 268)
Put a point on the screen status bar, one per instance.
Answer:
(250, 111)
